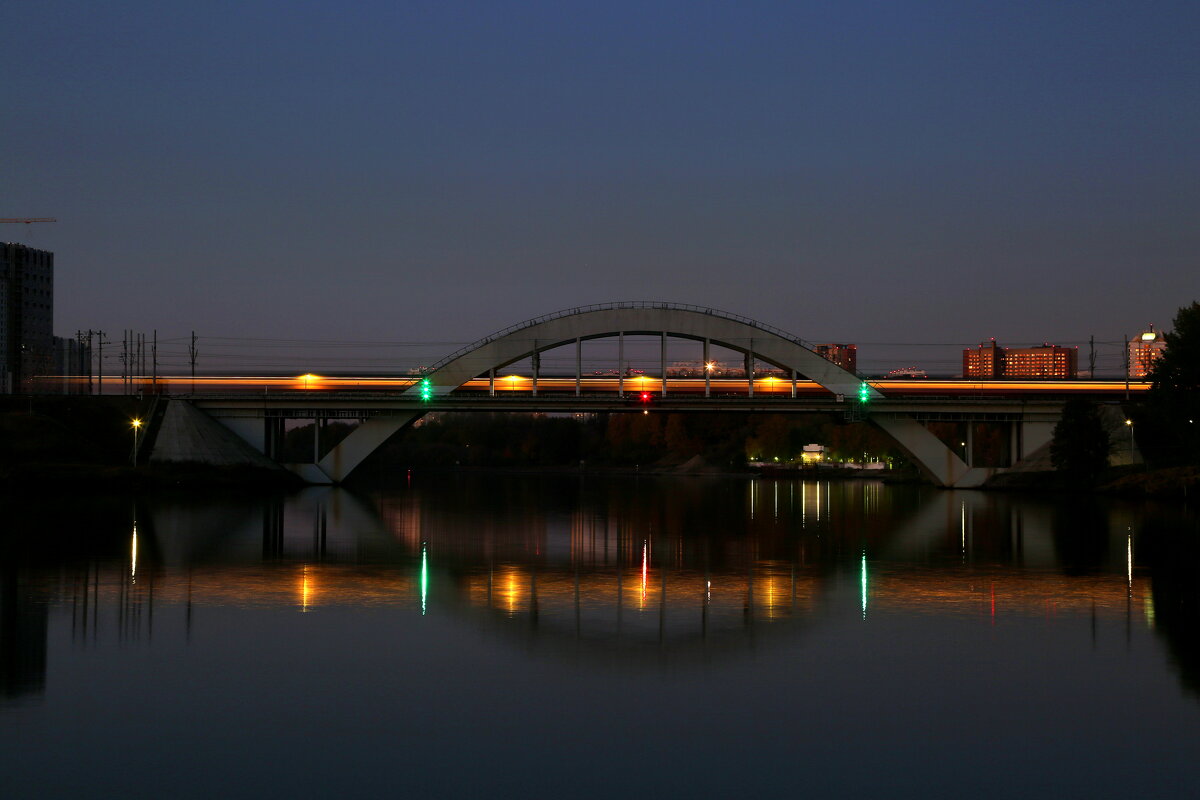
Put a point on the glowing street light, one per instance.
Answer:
(1129, 424)
(709, 366)
(137, 426)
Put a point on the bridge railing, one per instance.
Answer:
(628, 304)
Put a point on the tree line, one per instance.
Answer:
(1165, 424)
(725, 440)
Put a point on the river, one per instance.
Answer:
(461, 635)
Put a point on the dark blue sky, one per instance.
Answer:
(871, 172)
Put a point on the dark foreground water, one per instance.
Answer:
(526, 636)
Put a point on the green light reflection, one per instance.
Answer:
(424, 576)
(863, 582)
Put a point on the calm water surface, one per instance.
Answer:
(522, 636)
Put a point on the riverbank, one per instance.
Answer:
(57, 443)
(1136, 481)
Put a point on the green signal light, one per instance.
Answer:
(426, 389)
(864, 392)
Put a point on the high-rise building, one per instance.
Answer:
(26, 316)
(1144, 349)
(1043, 361)
(985, 361)
(990, 360)
(844, 355)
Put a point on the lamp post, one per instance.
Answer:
(1129, 424)
(137, 426)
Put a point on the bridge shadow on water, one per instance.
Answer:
(609, 572)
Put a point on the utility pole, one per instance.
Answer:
(100, 363)
(78, 365)
(155, 358)
(192, 358)
(91, 333)
(1092, 357)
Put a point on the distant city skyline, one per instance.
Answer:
(913, 179)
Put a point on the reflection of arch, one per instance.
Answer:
(533, 336)
(640, 318)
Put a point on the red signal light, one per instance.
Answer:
(645, 397)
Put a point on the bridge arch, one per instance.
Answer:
(698, 323)
(580, 323)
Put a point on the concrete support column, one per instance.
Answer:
(492, 382)
(1034, 435)
(253, 431)
(578, 365)
(969, 452)
(793, 384)
(316, 440)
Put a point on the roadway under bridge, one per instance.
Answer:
(468, 381)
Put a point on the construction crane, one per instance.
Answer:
(28, 220)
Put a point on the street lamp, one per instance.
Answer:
(1129, 424)
(137, 426)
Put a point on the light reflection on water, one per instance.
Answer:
(696, 585)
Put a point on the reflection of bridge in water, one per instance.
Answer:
(618, 570)
(611, 571)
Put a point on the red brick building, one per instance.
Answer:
(844, 355)
(990, 360)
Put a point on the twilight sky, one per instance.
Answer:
(876, 172)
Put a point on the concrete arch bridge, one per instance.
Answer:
(467, 381)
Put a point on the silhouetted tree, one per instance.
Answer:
(1169, 425)
(1080, 445)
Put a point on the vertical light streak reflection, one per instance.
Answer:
(424, 576)
(1129, 562)
(962, 526)
(133, 556)
(645, 568)
(305, 590)
(863, 582)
